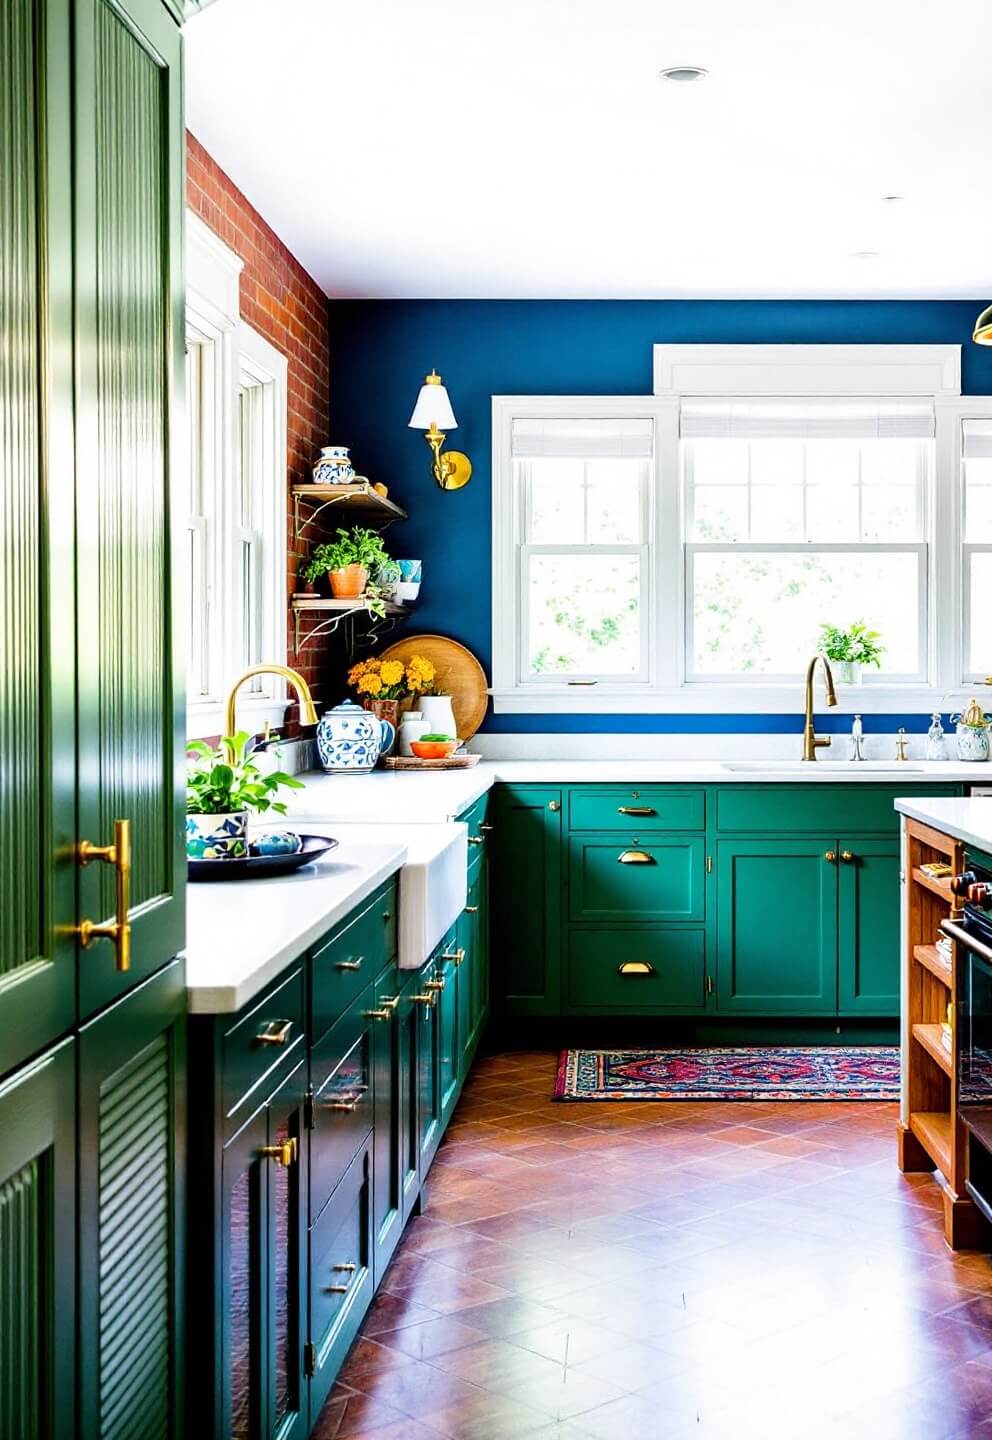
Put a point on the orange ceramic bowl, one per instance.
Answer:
(434, 749)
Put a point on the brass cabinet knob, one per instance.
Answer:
(553, 805)
(830, 856)
(118, 930)
(283, 1154)
(275, 1033)
(471, 909)
(477, 839)
(846, 856)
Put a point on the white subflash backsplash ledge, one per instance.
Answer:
(574, 745)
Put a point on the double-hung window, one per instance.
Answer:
(799, 512)
(236, 390)
(681, 551)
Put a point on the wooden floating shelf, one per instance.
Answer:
(336, 611)
(357, 502)
(929, 957)
(929, 1036)
(941, 888)
(933, 1130)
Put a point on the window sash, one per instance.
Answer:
(968, 550)
(920, 549)
(525, 676)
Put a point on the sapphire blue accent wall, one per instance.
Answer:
(381, 350)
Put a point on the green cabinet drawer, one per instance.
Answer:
(351, 958)
(341, 1076)
(258, 1040)
(637, 969)
(647, 808)
(619, 879)
(855, 806)
(340, 1273)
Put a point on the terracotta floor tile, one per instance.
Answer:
(725, 1271)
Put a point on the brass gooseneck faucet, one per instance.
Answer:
(812, 741)
(308, 714)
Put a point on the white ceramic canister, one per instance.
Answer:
(412, 726)
(440, 717)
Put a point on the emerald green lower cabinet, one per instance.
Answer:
(777, 927)
(620, 879)
(37, 1249)
(341, 1275)
(408, 1020)
(428, 1043)
(388, 1121)
(868, 926)
(449, 975)
(636, 969)
(528, 881)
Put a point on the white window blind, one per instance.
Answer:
(805, 420)
(581, 438)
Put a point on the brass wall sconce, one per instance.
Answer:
(433, 414)
(982, 334)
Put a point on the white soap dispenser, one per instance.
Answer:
(857, 739)
(935, 739)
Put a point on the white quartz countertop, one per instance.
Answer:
(969, 820)
(241, 933)
(442, 795)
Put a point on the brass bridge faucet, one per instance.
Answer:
(308, 714)
(812, 741)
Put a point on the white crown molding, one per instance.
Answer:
(213, 275)
(933, 370)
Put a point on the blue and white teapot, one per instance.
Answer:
(350, 739)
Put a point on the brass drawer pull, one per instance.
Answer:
(348, 1270)
(635, 967)
(455, 956)
(275, 1033)
(471, 909)
(350, 964)
(347, 1102)
(486, 829)
(378, 1014)
(427, 1000)
(477, 839)
(284, 1154)
(637, 810)
(117, 930)
(636, 857)
(436, 985)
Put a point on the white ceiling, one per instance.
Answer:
(526, 148)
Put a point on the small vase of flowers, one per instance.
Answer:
(383, 686)
(223, 787)
(850, 650)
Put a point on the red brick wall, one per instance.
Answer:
(283, 303)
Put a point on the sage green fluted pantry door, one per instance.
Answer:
(37, 661)
(129, 349)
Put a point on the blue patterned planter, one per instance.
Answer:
(217, 837)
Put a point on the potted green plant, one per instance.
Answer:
(224, 786)
(347, 561)
(851, 649)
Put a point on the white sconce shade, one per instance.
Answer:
(433, 407)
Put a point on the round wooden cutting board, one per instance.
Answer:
(457, 673)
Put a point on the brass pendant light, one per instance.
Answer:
(982, 334)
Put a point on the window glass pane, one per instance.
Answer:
(584, 615)
(833, 463)
(978, 500)
(890, 462)
(776, 462)
(777, 512)
(759, 614)
(979, 646)
(613, 501)
(719, 462)
(556, 501)
(889, 513)
(831, 512)
(720, 512)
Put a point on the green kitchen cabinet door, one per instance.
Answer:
(868, 926)
(777, 927)
(449, 975)
(131, 1185)
(286, 1414)
(128, 228)
(37, 645)
(479, 898)
(528, 900)
(37, 1249)
(425, 1001)
(388, 1131)
(408, 1021)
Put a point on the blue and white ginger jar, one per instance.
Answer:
(350, 739)
(334, 467)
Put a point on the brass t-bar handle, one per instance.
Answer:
(117, 930)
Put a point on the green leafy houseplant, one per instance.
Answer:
(355, 547)
(857, 645)
(226, 781)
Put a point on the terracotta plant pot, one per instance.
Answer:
(349, 582)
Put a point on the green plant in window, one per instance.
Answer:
(857, 645)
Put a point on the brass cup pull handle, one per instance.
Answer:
(455, 956)
(635, 967)
(275, 1033)
(349, 964)
(636, 857)
(283, 1154)
(117, 930)
(847, 856)
(830, 856)
(637, 810)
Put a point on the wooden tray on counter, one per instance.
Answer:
(411, 762)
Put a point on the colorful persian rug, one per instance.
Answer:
(755, 1072)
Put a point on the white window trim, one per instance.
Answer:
(238, 353)
(691, 370)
